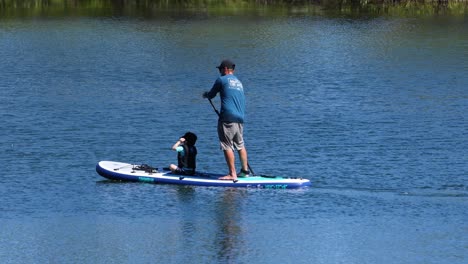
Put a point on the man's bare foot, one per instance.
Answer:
(228, 177)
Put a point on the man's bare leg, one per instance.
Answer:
(230, 161)
(243, 158)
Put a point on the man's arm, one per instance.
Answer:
(214, 90)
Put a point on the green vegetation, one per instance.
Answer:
(157, 8)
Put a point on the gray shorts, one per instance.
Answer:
(231, 135)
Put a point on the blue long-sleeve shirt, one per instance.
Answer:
(232, 98)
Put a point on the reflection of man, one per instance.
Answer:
(229, 222)
(231, 118)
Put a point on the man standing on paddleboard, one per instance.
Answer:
(231, 118)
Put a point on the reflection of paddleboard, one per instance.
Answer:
(144, 173)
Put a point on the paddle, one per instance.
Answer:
(217, 112)
(214, 108)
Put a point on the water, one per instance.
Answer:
(371, 110)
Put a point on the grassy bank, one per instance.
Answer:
(154, 8)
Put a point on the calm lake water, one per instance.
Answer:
(371, 110)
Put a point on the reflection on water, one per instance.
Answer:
(215, 224)
(210, 220)
(228, 220)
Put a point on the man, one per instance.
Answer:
(231, 118)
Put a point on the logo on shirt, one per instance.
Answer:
(235, 84)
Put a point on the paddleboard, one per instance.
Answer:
(121, 171)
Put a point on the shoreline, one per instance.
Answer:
(162, 9)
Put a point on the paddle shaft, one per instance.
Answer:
(214, 108)
(217, 112)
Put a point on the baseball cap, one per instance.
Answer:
(226, 63)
